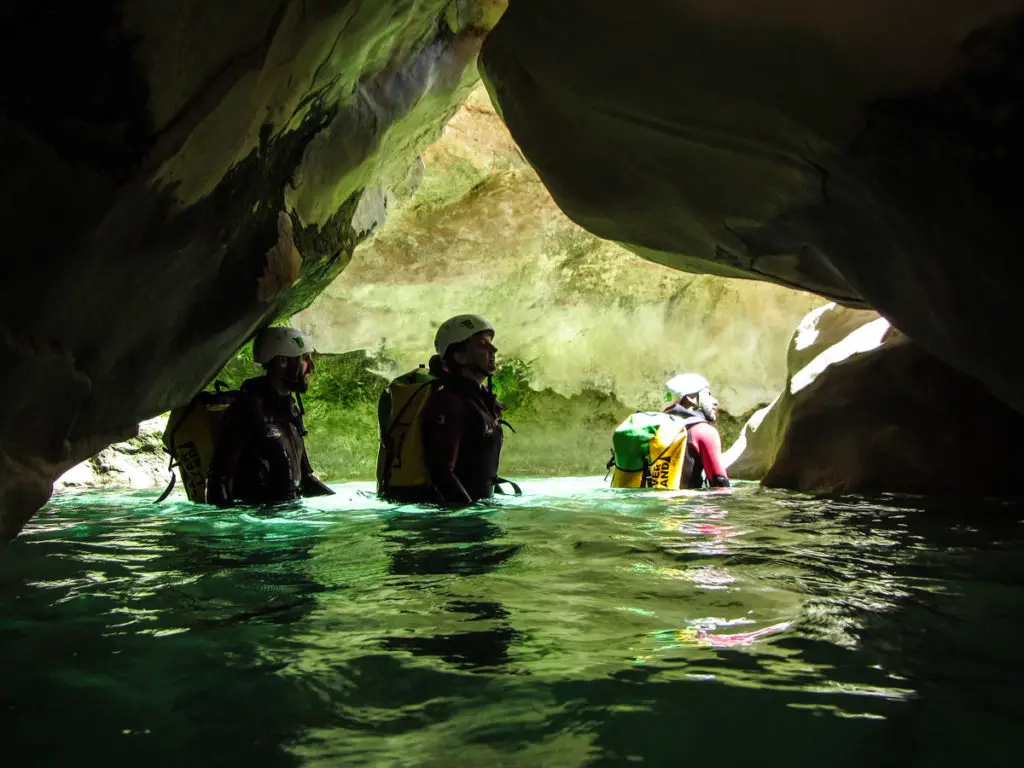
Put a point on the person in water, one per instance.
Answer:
(461, 424)
(260, 457)
(690, 398)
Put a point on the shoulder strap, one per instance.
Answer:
(299, 422)
(170, 485)
(405, 407)
(516, 490)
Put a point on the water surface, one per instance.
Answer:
(577, 625)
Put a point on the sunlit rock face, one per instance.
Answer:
(864, 149)
(140, 462)
(179, 172)
(483, 235)
(865, 409)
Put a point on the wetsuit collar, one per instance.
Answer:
(462, 383)
(690, 417)
(260, 387)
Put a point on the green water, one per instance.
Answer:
(573, 626)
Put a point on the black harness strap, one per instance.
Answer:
(170, 485)
(516, 490)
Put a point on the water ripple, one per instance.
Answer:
(573, 625)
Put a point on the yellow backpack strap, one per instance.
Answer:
(670, 446)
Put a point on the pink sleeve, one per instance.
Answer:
(709, 445)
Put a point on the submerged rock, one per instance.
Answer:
(865, 409)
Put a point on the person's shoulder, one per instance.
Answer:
(449, 396)
(703, 430)
(254, 387)
(251, 395)
(444, 391)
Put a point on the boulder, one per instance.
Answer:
(822, 329)
(140, 462)
(867, 410)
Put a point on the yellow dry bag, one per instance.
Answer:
(400, 461)
(649, 451)
(191, 436)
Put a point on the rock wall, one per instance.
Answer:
(863, 149)
(178, 173)
(482, 234)
(823, 337)
(865, 409)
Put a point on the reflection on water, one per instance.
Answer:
(574, 625)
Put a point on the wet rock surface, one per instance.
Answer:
(203, 168)
(178, 173)
(863, 150)
(867, 410)
(579, 314)
(140, 462)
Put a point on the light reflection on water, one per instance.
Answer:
(574, 625)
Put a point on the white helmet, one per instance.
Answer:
(286, 342)
(686, 384)
(459, 328)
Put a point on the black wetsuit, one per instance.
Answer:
(462, 440)
(260, 456)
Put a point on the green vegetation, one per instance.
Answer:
(555, 435)
(341, 416)
(512, 382)
(729, 426)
